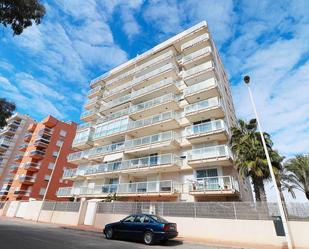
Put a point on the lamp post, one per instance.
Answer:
(280, 204)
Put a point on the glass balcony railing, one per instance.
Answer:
(36, 153)
(148, 140)
(68, 173)
(65, 191)
(198, 69)
(106, 149)
(29, 165)
(196, 88)
(167, 186)
(91, 101)
(5, 142)
(83, 126)
(196, 54)
(154, 102)
(78, 155)
(115, 102)
(89, 113)
(211, 126)
(24, 178)
(152, 87)
(93, 90)
(209, 152)
(153, 119)
(82, 138)
(215, 183)
(113, 116)
(202, 105)
(121, 77)
(195, 41)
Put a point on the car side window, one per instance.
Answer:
(139, 219)
(146, 219)
(129, 219)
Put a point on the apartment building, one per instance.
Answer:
(45, 149)
(11, 137)
(157, 128)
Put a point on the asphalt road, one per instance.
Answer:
(19, 234)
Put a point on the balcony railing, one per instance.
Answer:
(163, 69)
(202, 105)
(196, 54)
(215, 183)
(198, 69)
(115, 102)
(196, 88)
(209, 152)
(151, 187)
(152, 87)
(89, 112)
(78, 155)
(26, 178)
(148, 140)
(36, 153)
(29, 165)
(113, 116)
(142, 162)
(211, 126)
(91, 101)
(6, 142)
(65, 191)
(83, 126)
(153, 120)
(68, 173)
(106, 149)
(93, 90)
(154, 102)
(195, 41)
(86, 137)
(22, 192)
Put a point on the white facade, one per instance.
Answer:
(158, 126)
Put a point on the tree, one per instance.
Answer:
(6, 110)
(20, 14)
(247, 147)
(299, 172)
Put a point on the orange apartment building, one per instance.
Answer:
(46, 146)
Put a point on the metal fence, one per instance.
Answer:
(216, 210)
(61, 206)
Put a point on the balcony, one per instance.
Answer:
(210, 155)
(214, 186)
(163, 121)
(195, 43)
(206, 109)
(121, 78)
(210, 131)
(20, 193)
(151, 188)
(27, 137)
(157, 89)
(3, 193)
(8, 131)
(28, 180)
(95, 91)
(165, 141)
(50, 121)
(31, 166)
(14, 123)
(197, 57)
(40, 142)
(64, 192)
(13, 168)
(117, 91)
(36, 154)
(23, 147)
(154, 106)
(9, 179)
(83, 126)
(113, 116)
(202, 90)
(161, 73)
(83, 140)
(89, 115)
(18, 158)
(78, 157)
(5, 143)
(99, 152)
(104, 109)
(136, 166)
(45, 132)
(199, 73)
(91, 103)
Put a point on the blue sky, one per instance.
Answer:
(47, 69)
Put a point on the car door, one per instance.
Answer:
(125, 227)
(138, 228)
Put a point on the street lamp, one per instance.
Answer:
(280, 204)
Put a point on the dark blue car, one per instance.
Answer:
(147, 227)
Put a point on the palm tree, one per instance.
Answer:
(299, 176)
(250, 160)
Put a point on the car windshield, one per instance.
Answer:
(158, 218)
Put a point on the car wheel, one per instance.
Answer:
(109, 234)
(148, 238)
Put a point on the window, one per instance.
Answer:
(51, 165)
(109, 128)
(42, 191)
(55, 153)
(63, 133)
(206, 173)
(46, 177)
(59, 143)
(129, 219)
(141, 219)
